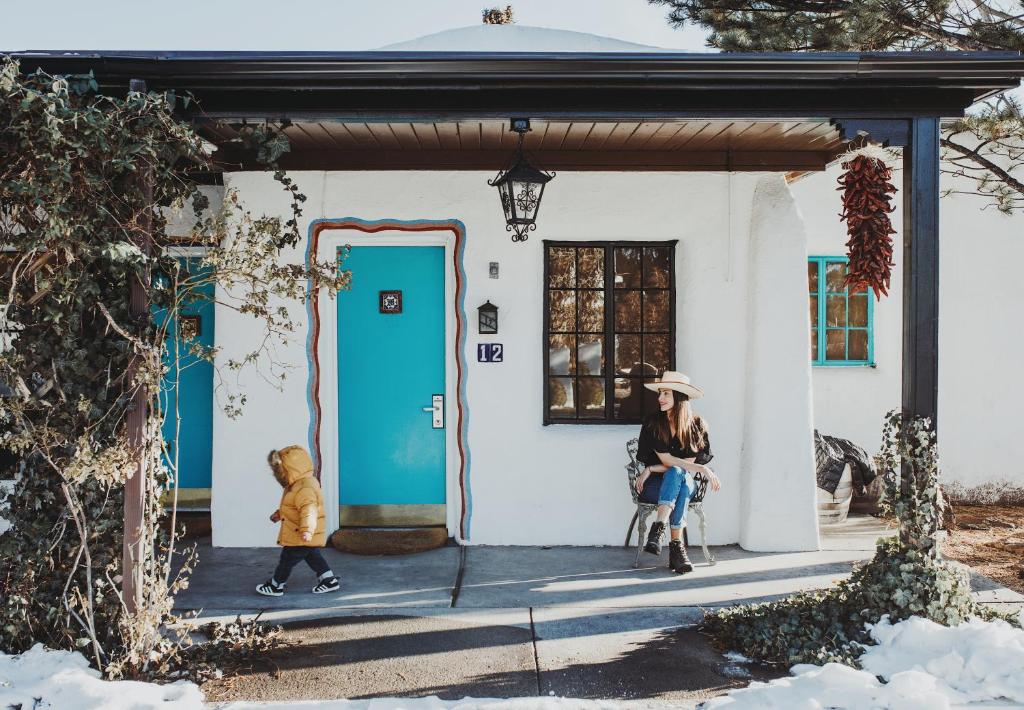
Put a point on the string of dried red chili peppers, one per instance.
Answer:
(866, 207)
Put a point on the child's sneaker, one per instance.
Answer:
(331, 584)
(271, 588)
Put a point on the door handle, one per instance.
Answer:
(437, 410)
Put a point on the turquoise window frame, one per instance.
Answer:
(822, 296)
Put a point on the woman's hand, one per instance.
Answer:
(716, 485)
(642, 479)
(275, 517)
(307, 536)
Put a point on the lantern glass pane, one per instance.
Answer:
(527, 199)
(506, 200)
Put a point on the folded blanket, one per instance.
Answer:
(831, 456)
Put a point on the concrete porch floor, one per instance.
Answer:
(512, 621)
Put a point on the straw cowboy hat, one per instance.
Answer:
(672, 380)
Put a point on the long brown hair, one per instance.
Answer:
(690, 428)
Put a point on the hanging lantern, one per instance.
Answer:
(520, 187)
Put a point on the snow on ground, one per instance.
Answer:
(61, 680)
(434, 703)
(925, 666)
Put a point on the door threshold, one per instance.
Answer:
(389, 540)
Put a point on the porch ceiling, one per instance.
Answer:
(711, 144)
(620, 111)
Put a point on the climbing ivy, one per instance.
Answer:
(86, 181)
(906, 577)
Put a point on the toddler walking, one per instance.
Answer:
(301, 514)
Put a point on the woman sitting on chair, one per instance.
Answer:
(673, 446)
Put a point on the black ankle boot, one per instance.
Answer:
(678, 562)
(654, 538)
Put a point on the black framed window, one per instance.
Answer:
(609, 326)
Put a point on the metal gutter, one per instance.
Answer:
(449, 85)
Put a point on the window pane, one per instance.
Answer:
(591, 356)
(835, 311)
(835, 345)
(656, 350)
(812, 276)
(563, 311)
(627, 267)
(629, 398)
(627, 311)
(859, 289)
(591, 391)
(656, 311)
(814, 311)
(835, 275)
(562, 397)
(814, 343)
(859, 311)
(858, 345)
(627, 355)
(650, 398)
(561, 354)
(591, 267)
(561, 267)
(657, 262)
(591, 311)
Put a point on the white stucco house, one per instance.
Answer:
(668, 239)
(980, 383)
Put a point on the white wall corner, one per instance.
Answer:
(778, 511)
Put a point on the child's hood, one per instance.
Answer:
(297, 464)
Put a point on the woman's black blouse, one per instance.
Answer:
(649, 446)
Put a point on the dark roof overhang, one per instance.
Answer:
(458, 85)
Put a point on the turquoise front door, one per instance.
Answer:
(188, 393)
(391, 387)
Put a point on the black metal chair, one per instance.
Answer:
(644, 509)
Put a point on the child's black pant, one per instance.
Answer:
(291, 556)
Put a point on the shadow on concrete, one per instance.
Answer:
(386, 656)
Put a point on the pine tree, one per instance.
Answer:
(985, 149)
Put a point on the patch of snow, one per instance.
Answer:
(435, 703)
(517, 38)
(736, 657)
(925, 666)
(734, 668)
(62, 680)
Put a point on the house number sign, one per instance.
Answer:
(490, 352)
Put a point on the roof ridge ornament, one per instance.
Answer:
(520, 187)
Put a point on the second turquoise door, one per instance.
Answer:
(391, 372)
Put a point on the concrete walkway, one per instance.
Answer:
(510, 621)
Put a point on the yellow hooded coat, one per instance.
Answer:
(302, 504)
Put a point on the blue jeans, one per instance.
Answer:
(675, 487)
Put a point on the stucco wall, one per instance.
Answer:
(565, 484)
(980, 302)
